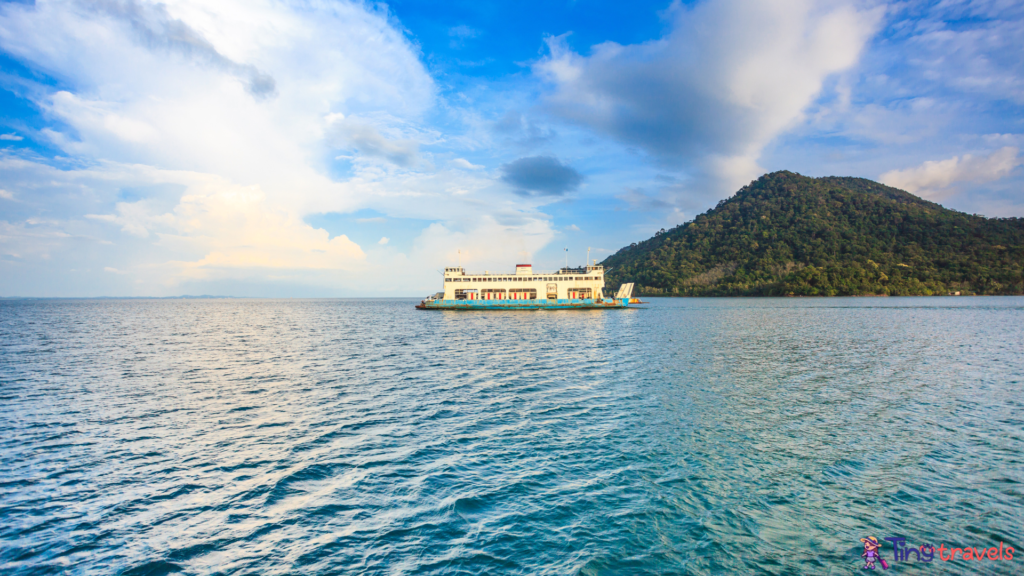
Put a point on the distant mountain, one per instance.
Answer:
(787, 234)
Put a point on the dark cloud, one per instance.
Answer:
(158, 30)
(541, 176)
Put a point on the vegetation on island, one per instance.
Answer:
(791, 235)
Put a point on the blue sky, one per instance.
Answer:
(347, 149)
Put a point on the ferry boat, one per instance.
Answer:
(568, 288)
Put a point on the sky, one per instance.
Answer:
(346, 149)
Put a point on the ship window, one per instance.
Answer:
(580, 293)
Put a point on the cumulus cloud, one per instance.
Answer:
(728, 78)
(6, 195)
(237, 230)
(232, 227)
(541, 175)
(12, 137)
(937, 179)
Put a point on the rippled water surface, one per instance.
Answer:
(364, 437)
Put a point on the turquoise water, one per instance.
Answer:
(695, 436)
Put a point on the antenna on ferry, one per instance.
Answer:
(566, 256)
(587, 263)
(460, 258)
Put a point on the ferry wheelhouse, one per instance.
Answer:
(525, 290)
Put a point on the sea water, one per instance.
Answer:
(691, 436)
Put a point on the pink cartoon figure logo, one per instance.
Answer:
(871, 555)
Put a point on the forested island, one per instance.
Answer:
(791, 235)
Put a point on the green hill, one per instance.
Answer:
(787, 234)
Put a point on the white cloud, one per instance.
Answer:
(136, 96)
(12, 136)
(384, 240)
(239, 128)
(937, 179)
(465, 164)
(239, 230)
(6, 195)
(232, 227)
(730, 77)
